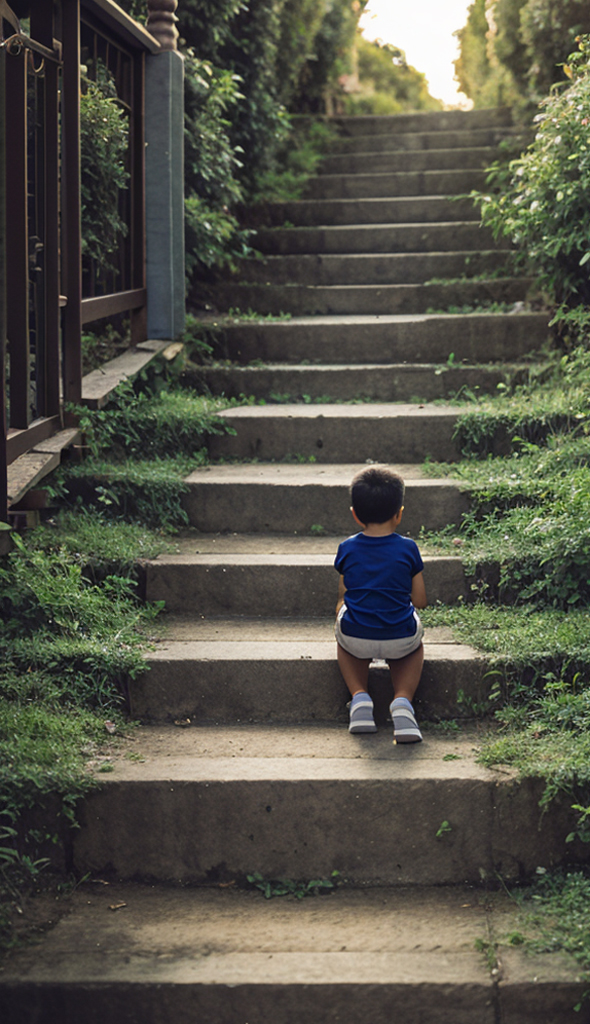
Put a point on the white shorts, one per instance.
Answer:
(386, 650)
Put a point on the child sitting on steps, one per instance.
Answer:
(381, 585)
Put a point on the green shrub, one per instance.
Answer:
(388, 84)
(544, 207)
(511, 51)
(103, 143)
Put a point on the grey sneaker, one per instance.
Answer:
(405, 726)
(361, 717)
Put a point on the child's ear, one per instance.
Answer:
(356, 518)
(398, 518)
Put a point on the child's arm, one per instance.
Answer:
(341, 593)
(418, 595)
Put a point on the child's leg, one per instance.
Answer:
(405, 677)
(406, 673)
(355, 672)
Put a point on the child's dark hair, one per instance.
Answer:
(377, 494)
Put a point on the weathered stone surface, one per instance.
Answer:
(260, 497)
(413, 338)
(395, 159)
(275, 585)
(391, 433)
(377, 383)
(253, 681)
(385, 238)
(312, 300)
(304, 801)
(229, 956)
(369, 269)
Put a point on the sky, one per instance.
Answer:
(424, 29)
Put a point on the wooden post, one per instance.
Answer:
(3, 424)
(72, 268)
(161, 22)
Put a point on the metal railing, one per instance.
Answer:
(46, 293)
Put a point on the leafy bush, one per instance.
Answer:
(511, 51)
(388, 84)
(66, 644)
(137, 424)
(212, 167)
(544, 207)
(103, 142)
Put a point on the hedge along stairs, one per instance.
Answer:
(267, 781)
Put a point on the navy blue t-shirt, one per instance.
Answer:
(378, 574)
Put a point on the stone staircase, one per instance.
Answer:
(267, 778)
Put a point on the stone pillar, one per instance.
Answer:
(164, 128)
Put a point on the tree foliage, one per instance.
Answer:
(543, 207)
(388, 84)
(511, 51)
(103, 144)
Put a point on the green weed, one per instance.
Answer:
(288, 887)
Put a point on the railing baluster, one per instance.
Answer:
(17, 264)
(72, 267)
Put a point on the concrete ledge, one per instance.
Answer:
(384, 238)
(98, 386)
(393, 159)
(414, 338)
(293, 499)
(33, 466)
(401, 183)
(368, 268)
(232, 956)
(293, 802)
(254, 681)
(381, 432)
(367, 299)
(280, 585)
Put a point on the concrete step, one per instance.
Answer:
(214, 803)
(262, 680)
(370, 268)
(382, 238)
(280, 585)
(381, 432)
(212, 955)
(476, 337)
(411, 142)
(326, 300)
(424, 121)
(285, 499)
(374, 382)
(399, 210)
(402, 183)
(394, 160)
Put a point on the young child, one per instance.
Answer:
(381, 585)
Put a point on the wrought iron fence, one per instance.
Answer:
(48, 290)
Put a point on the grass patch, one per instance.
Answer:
(148, 492)
(87, 536)
(137, 424)
(555, 917)
(68, 648)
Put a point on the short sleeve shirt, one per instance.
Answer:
(378, 573)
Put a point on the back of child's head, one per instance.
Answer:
(377, 494)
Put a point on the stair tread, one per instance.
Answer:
(183, 628)
(303, 474)
(264, 558)
(366, 410)
(299, 368)
(390, 938)
(294, 753)
(364, 319)
(255, 649)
